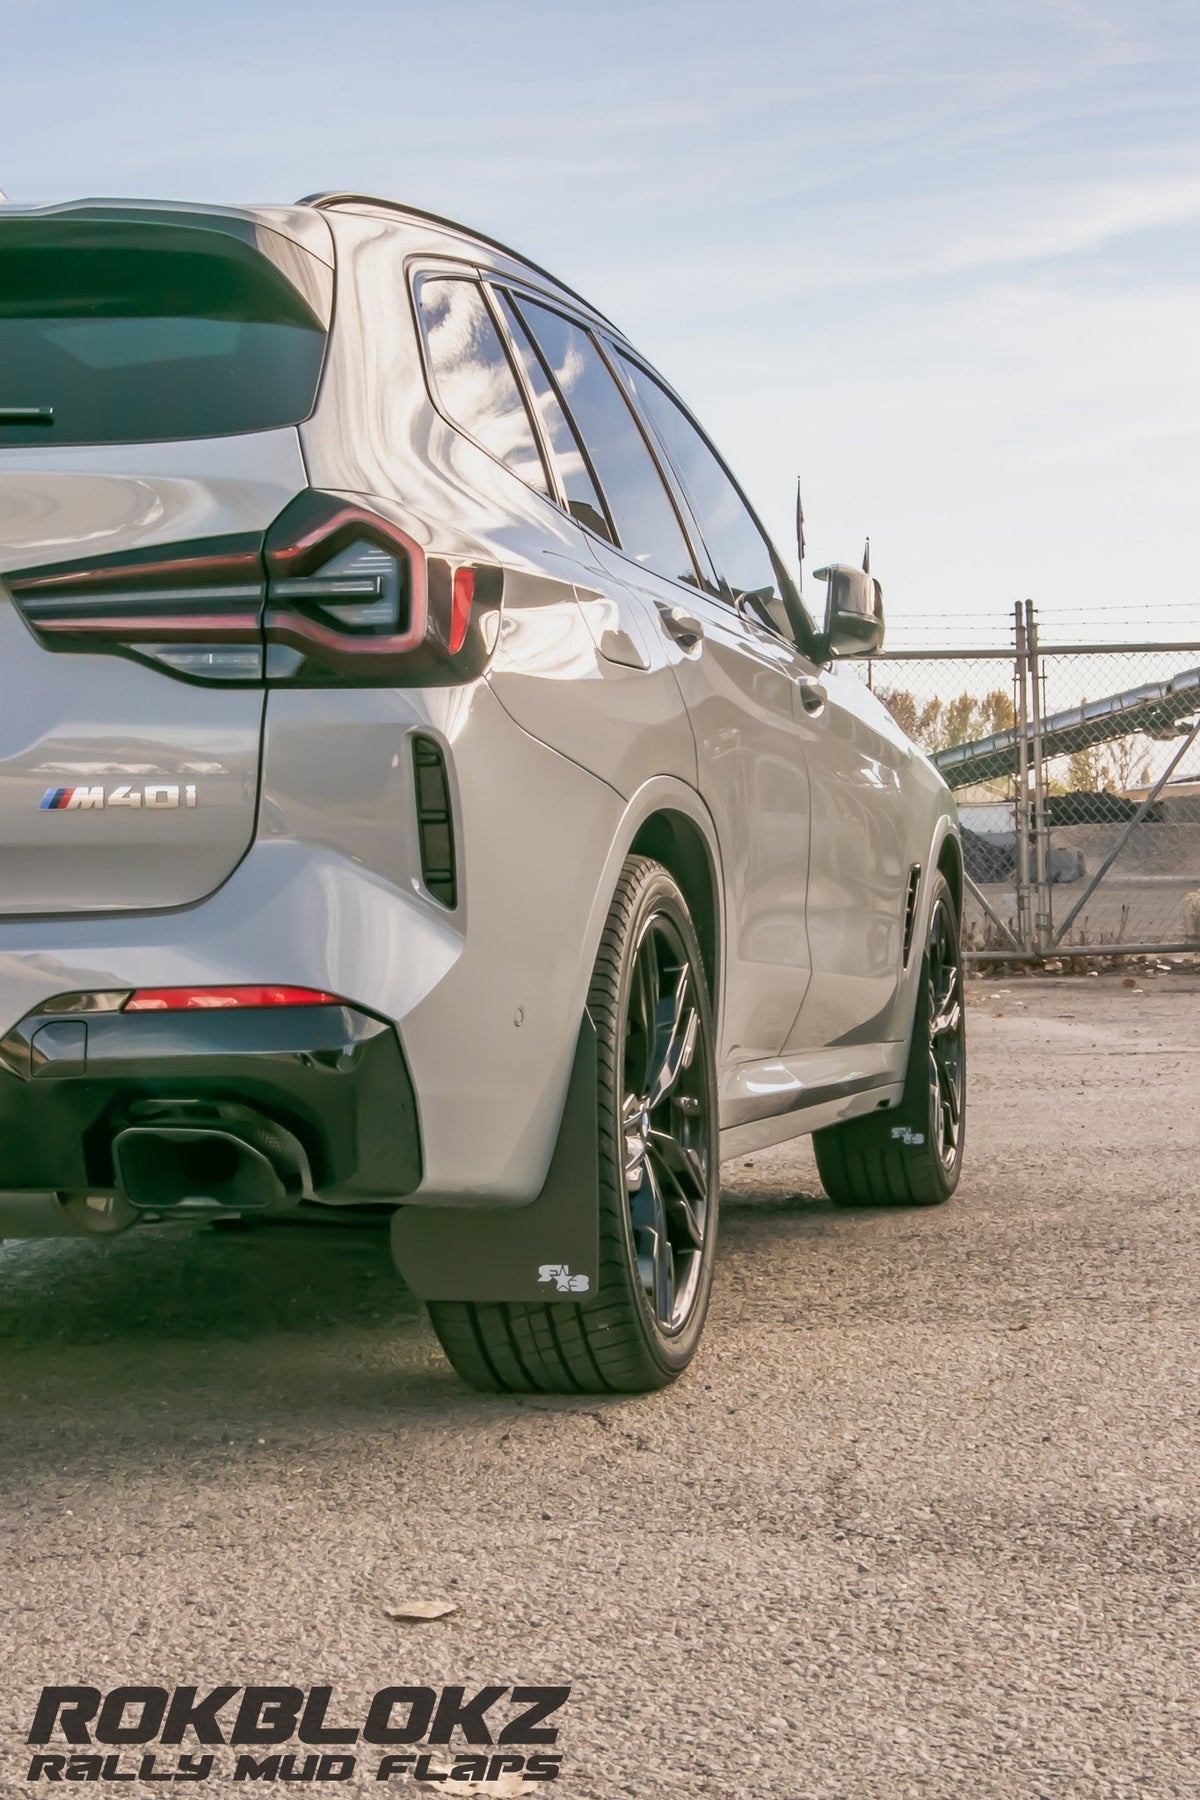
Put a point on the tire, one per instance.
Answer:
(659, 1184)
(912, 1155)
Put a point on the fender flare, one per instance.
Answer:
(549, 1248)
(945, 826)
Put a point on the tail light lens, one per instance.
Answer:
(193, 608)
(334, 593)
(204, 999)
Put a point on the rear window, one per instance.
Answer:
(123, 333)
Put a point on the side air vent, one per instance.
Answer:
(435, 821)
(910, 909)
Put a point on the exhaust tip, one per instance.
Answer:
(181, 1168)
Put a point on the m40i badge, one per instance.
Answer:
(154, 796)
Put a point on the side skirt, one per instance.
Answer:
(802, 1121)
(546, 1250)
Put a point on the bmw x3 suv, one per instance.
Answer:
(422, 786)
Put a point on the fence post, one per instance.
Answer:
(1043, 923)
(1020, 681)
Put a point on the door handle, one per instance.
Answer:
(686, 630)
(812, 695)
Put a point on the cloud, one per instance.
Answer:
(1074, 222)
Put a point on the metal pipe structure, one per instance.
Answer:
(987, 908)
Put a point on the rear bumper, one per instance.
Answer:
(333, 1076)
(485, 999)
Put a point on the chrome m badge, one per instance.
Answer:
(566, 1283)
(154, 796)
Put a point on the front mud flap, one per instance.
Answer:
(548, 1249)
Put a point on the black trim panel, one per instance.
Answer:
(333, 1076)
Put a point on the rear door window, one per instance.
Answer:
(472, 377)
(647, 525)
(132, 332)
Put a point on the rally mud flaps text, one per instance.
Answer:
(247, 1734)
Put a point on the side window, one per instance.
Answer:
(583, 500)
(735, 542)
(648, 529)
(471, 373)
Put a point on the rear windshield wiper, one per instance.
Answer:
(26, 415)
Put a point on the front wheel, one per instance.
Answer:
(912, 1156)
(657, 1114)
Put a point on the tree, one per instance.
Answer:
(938, 724)
(1110, 768)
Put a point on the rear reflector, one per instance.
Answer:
(460, 608)
(186, 999)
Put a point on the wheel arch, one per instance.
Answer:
(676, 841)
(950, 863)
(944, 858)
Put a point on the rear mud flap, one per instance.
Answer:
(546, 1250)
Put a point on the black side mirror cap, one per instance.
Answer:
(853, 611)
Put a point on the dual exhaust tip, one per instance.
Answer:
(217, 1159)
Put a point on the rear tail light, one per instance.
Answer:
(346, 591)
(194, 608)
(200, 999)
(333, 593)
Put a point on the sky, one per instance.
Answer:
(942, 259)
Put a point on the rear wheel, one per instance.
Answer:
(912, 1156)
(657, 1114)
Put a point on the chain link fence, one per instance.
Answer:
(1077, 775)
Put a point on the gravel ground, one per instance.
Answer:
(921, 1519)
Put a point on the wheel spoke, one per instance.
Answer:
(949, 1081)
(680, 1046)
(643, 1010)
(680, 1176)
(946, 1006)
(656, 1263)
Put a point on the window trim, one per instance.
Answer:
(557, 489)
(471, 276)
(682, 514)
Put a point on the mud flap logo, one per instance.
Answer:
(560, 1274)
(907, 1135)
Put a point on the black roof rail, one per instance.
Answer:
(334, 198)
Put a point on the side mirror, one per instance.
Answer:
(853, 611)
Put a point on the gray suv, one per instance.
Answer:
(423, 788)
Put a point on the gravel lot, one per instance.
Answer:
(921, 1520)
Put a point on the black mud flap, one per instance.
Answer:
(548, 1249)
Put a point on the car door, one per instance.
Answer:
(859, 869)
(736, 681)
(856, 873)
